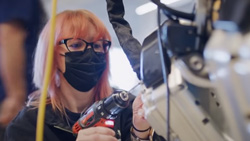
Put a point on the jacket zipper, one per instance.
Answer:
(63, 129)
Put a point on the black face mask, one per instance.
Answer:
(84, 69)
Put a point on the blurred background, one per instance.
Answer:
(142, 16)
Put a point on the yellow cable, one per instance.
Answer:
(216, 8)
(42, 105)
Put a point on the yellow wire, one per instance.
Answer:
(42, 105)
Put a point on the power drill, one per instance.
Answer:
(103, 112)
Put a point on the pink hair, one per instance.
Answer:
(75, 24)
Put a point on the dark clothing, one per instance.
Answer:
(31, 15)
(57, 128)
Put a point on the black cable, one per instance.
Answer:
(169, 12)
(165, 72)
(130, 45)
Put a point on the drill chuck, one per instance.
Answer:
(116, 102)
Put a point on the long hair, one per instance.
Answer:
(68, 24)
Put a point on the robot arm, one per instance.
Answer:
(206, 95)
(209, 99)
(188, 120)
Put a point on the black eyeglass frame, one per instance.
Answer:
(64, 41)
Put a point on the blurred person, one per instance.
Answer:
(79, 78)
(20, 22)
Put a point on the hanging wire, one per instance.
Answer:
(42, 104)
(165, 72)
(169, 12)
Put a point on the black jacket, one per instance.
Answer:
(23, 127)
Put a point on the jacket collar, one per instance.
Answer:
(56, 119)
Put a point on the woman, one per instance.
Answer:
(79, 78)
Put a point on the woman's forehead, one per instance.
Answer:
(89, 33)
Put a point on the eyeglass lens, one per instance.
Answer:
(100, 46)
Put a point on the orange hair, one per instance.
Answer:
(75, 24)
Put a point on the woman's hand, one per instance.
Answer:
(139, 121)
(96, 134)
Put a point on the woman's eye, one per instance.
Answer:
(97, 46)
(105, 45)
(76, 45)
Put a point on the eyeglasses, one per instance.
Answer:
(100, 46)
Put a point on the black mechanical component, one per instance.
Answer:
(151, 67)
(179, 39)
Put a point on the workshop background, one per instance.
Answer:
(142, 17)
